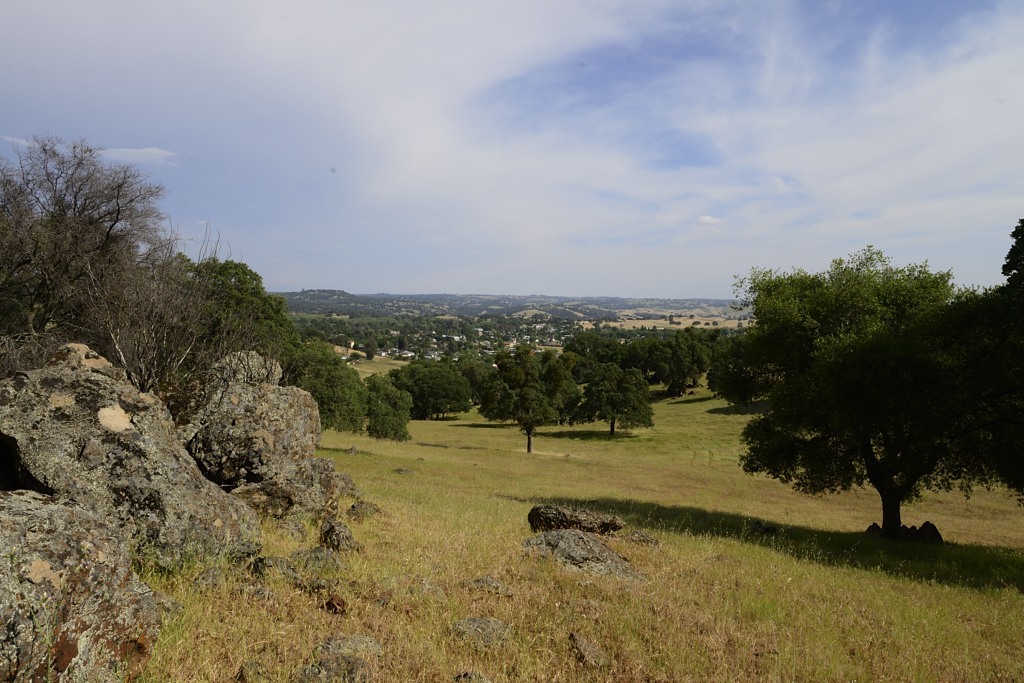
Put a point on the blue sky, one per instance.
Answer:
(568, 147)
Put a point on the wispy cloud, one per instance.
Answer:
(540, 146)
(144, 156)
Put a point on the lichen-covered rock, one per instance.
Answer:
(70, 607)
(581, 551)
(247, 433)
(551, 517)
(258, 441)
(76, 428)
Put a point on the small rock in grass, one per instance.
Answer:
(336, 536)
(587, 652)
(483, 631)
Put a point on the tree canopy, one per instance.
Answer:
(437, 388)
(517, 393)
(859, 389)
(618, 397)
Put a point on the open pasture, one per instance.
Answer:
(749, 581)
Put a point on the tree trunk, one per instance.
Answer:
(892, 523)
(612, 430)
(529, 441)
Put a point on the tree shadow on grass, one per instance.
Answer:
(683, 400)
(740, 409)
(486, 425)
(970, 566)
(587, 435)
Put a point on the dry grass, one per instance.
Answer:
(722, 601)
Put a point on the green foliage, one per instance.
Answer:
(618, 397)
(437, 388)
(559, 385)
(387, 409)
(339, 393)
(517, 393)
(476, 372)
(857, 390)
(238, 307)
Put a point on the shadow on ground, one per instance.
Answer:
(971, 566)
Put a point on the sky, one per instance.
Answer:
(641, 148)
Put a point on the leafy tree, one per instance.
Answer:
(437, 389)
(517, 393)
(387, 409)
(476, 372)
(339, 393)
(858, 392)
(617, 396)
(559, 385)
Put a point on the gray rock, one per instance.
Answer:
(247, 433)
(587, 652)
(340, 658)
(582, 552)
(482, 631)
(308, 487)
(336, 536)
(70, 606)
(551, 517)
(471, 677)
(318, 560)
(351, 645)
(361, 510)
(77, 428)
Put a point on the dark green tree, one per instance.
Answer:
(562, 390)
(618, 397)
(387, 409)
(857, 390)
(517, 393)
(476, 372)
(339, 393)
(437, 388)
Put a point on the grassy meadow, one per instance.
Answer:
(812, 599)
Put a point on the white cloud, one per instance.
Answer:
(709, 220)
(144, 155)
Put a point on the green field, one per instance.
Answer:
(722, 600)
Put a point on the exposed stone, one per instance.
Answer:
(70, 606)
(355, 645)
(341, 658)
(75, 427)
(362, 510)
(318, 560)
(336, 536)
(309, 487)
(581, 551)
(551, 517)
(587, 652)
(471, 677)
(482, 631)
(248, 433)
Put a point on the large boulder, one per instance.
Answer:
(581, 551)
(76, 427)
(257, 440)
(70, 607)
(246, 433)
(551, 517)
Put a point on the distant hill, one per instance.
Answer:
(339, 302)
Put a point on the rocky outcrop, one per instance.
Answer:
(248, 433)
(551, 517)
(77, 428)
(257, 440)
(581, 551)
(70, 607)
